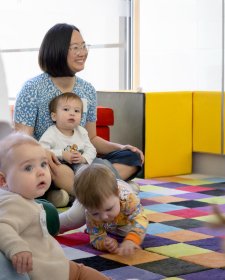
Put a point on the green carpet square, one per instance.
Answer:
(178, 250)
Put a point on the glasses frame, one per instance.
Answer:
(76, 49)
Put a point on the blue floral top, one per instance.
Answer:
(31, 108)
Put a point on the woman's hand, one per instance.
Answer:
(104, 147)
(53, 162)
(52, 158)
(22, 262)
(135, 150)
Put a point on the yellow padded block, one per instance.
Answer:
(207, 122)
(168, 134)
(223, 126)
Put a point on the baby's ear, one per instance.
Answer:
(2, 179)
(53, 116)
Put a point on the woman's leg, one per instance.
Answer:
(62, 185)
(108, 164)
(125, 171)
(63, 177)
(124, 163)
(73, 218)
(7, 271)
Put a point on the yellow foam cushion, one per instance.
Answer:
(207, 122)
(168, 134)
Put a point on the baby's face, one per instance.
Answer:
(109, 210)
(68, 114)
(28, 172)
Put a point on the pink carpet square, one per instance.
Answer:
(194, 188)
(73, 239)
(188, 213)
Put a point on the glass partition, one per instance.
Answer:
(103, 24)
(182, 49)
(180, 45)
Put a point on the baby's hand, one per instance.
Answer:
(127, 247)
(78, 158)
(67, 156)
(22, 262)
(111, 244)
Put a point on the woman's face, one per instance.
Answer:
(77, 53)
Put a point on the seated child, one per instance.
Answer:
(24, 238)
(111, 207)
(67, 139)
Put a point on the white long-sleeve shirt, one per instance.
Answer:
(57, 142)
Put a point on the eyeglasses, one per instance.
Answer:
(76, 49)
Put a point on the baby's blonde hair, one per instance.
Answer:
(7, 144)
(93, 184)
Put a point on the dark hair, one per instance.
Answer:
(67, 95)
(54, 48)
(93, 184)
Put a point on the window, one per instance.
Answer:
(103, 24)
(180, 45)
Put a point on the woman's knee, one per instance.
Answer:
(125, 171)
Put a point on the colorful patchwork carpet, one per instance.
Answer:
(180, 243)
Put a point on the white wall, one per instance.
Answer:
(180, 45)
(4, 112)
(5, 120)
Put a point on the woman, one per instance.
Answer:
(62, 54)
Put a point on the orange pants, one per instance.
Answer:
(82, 272)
